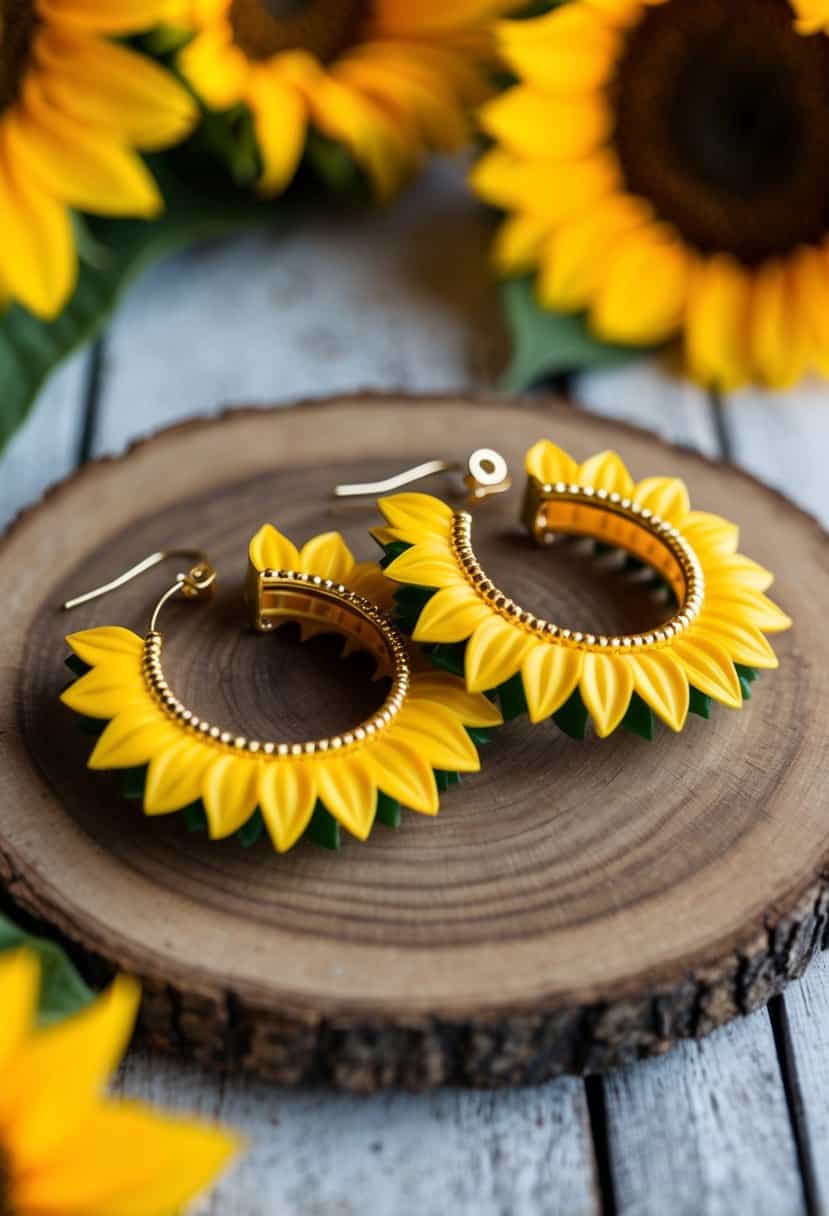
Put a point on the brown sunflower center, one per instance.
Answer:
(324, 27)
(722, 122)
(18, 23)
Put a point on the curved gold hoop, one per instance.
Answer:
(286, 595)
(574, 510)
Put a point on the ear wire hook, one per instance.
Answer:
(487, 473)
(197, 583)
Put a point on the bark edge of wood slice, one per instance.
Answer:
(537, 926)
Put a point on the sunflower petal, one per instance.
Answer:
(348, 787)
(519, 242)
(230, 793)
(606, 471)
(537, 124)
(661, 681)
(71, 161)
(606, 687)
(717, 323)
(745, 604)
(494, 654)
(666, 497)
(19, 986)
(430, 564)
(281, 118)
(568, 50)
(439, 737)
(175, 778)
(451, 615)
(105, 691)
(742, 641)
(441, 688)
(623, 313)
(270, 550)
(709, 668)
(39, 260)
(139, 732)
(401, 772)
(97, 646)
(737, 571)
(287, 797)
(549, 463)
(327, 556)
(711, 534)
(81, 1051)
(146, 1165)
(550, 675)
(114, 89)
(416, 515)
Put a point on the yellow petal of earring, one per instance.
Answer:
(710, 649)
(423, 735)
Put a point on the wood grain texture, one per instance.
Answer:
(505, 960)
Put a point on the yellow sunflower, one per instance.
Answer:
(389, 79)
(65, 1150)
(665, 164)
(73, 106)
(720, 620)
(395, 753)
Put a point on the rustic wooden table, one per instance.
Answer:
(739, 1121)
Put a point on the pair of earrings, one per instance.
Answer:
(489, 658)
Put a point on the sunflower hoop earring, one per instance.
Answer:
(711, 648)
(417, 743)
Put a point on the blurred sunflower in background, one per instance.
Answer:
(74, 106)
(65, 1150)
(665, 164)
(388, 79)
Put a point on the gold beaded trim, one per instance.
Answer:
(662, 531)
(366, 732)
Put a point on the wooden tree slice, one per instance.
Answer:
(574, 906)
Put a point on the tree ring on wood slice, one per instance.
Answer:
(574, 906)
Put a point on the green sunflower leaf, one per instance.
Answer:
(700, 704)
(639, 719)
(62, 991)
(389, 811)
(551, 343)
(112, 254)
(323, 828)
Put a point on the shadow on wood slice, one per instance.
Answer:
(573, 907)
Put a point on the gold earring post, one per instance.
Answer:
(486, 474)
(197, 583)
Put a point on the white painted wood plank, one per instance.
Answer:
(705, 1130)
(474, 1154)
(807, 1027)
(784, 439)
(399, 298)
(44, 450)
